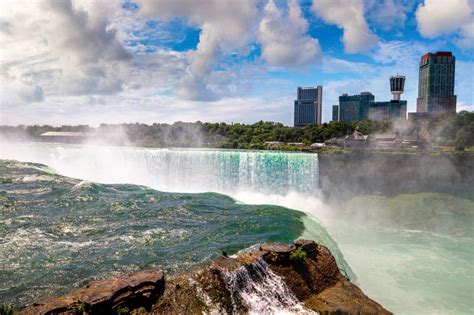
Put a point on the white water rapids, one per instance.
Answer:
(261, 291)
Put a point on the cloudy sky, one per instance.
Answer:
(91, 61)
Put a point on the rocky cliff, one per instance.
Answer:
(367, 173)
(301, 277)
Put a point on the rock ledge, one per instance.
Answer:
(307, 271)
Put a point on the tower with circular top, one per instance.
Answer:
(397, 86)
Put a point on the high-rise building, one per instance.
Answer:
(308, 106)
(354, 107)
(436, 83)
(335, 112)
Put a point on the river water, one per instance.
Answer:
(91, 211)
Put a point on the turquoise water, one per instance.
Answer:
(412, 253)
(57, 233)
(177, 170)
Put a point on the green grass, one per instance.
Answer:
(298, 255)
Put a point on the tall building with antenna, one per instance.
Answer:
(393, 109)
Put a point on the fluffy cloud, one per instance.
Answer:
(57, 47)
(388, 14)
(438, 17)
(283, 37)
(226, 26)
(348, 15)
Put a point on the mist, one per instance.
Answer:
(409, 213)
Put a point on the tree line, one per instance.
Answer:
(448, 129)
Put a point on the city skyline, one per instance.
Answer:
(241, 61)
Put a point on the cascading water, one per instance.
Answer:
(80, 230)
(395, 258)
(260, 291)
(178, 170)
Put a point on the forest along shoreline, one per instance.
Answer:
(444, 133)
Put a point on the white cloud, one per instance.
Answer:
(466, 41)
(283, 37)
(439, 17)
(389, 14)
(402, 53)
(337, 65)
(226, 26)
(130, 108)
(348, 15)
(56, 47)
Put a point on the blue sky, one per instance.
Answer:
(217, 60)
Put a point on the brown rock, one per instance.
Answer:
(344, 298)
(317, 282)
(278, 248)
(140, 289)
(277, 253)
(310, 247)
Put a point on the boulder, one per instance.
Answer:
(140, 289)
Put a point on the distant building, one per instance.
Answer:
(382, 141)
(391, 109)
(397, 86)
(354, 107)
(335, 112)
(334, 142)
(387, 110)
(64, 136)
(356, 140)
(436, 83)
(308, 106)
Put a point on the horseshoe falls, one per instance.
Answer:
(91, 211)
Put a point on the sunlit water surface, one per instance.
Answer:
(413, 254)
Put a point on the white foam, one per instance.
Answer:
(261, 291)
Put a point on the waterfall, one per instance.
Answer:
(260, 291)
(178, 170)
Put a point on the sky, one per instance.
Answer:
(92, 62)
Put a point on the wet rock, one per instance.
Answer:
(140, 289)
(310, 247)
(344, 298)
(278, 248)
(277, 253)
(297, 277)
(316, 281)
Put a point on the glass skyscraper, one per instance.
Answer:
(335, 112)
(436, 83)
(354, 107)
(308, 106)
